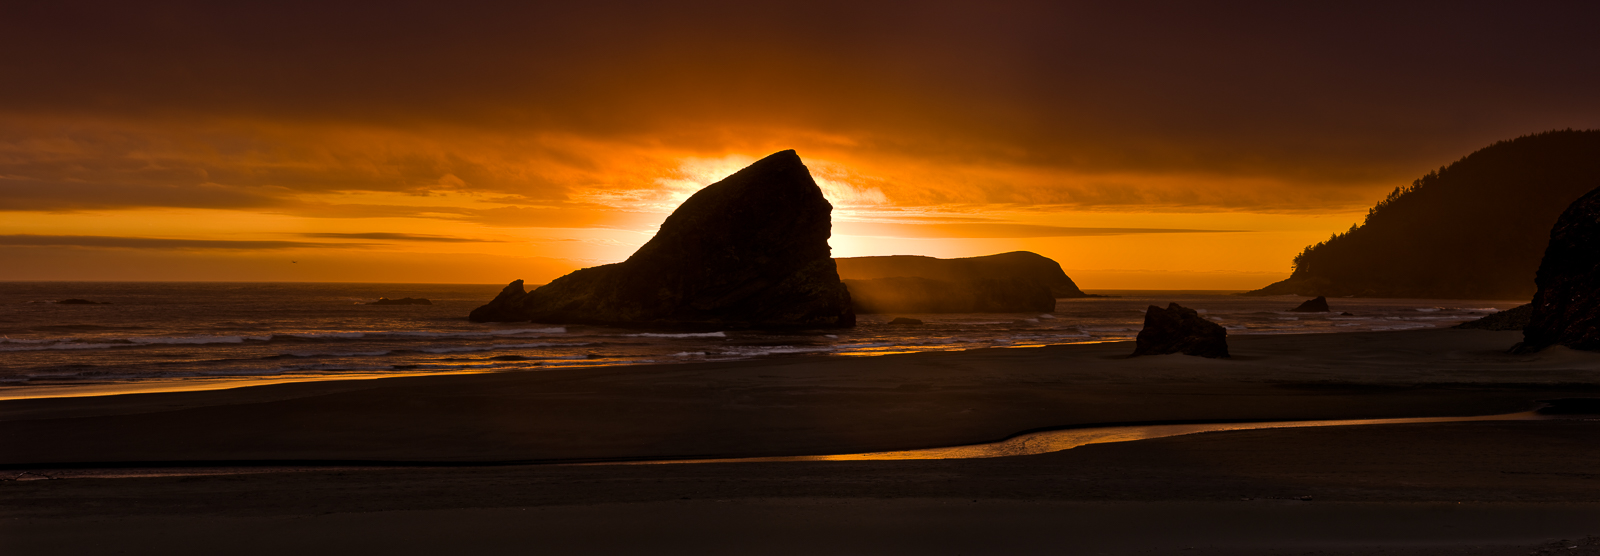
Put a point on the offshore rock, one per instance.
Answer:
(750, 251)
(1178, 329)
(1318, 305)
(923, 295)
(1566, 308)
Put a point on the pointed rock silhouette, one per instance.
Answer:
(1318, 305)
(748, 251)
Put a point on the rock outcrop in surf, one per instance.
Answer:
(1179, 329)
(1566, 309)
(1318, 305)
(1472, 230)
(1015, 282)
(750, 251)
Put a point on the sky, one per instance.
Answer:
(1142, 145)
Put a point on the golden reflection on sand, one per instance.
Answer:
(1058, 440)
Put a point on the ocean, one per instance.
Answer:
(160, 336)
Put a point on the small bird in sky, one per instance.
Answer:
(294, 262)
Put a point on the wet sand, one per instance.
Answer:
(1452, 488)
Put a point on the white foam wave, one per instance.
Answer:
(540, 345)
(778, 350)
(337, 354)
(468, 334)
(683, 335)
(60, 346)
(1403, 327)
(180, 340)
(454, 349)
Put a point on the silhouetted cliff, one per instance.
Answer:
(748, 251)
(1474, 229)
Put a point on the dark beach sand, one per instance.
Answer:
(1453, 488)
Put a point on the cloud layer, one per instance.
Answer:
(1245, 105)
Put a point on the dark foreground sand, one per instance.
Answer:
(1459, 488)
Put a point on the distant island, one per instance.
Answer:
(1019, 281)
(1475, 229)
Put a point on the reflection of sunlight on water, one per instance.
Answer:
(1055, 441)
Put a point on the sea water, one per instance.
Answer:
(184, 335)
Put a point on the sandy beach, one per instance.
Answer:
(411, 465)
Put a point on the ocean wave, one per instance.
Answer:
(60, 346)
(776, 350)
(336, 354)
(444, 366)
(682, 335)
(459, 349)
(189, 340)
(380, 334)
(436, 350)
(1403, 327)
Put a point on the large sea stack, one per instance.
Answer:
(1179, 329)
(1566, 308)
(750, 251)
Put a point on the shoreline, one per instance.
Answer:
(179, 385)
(1516, 486)
(800, 406)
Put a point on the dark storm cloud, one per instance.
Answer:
(1319, 96)
(159, 243)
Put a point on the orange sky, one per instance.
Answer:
(1141, 146)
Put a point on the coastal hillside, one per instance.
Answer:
(1472, 230)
